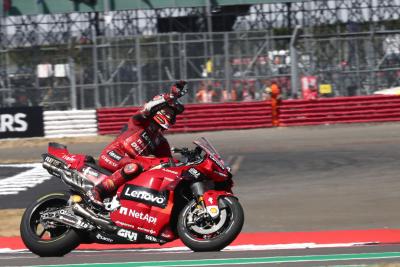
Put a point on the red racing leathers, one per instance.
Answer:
(142, 142)
(139, 147)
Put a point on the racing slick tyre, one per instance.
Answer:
(201, 233)
(47, 240)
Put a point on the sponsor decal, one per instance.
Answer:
(100, 237)
(108, 161)
(167, 235)
(150, 238)
(83, 224)
(160, 120)
(90, 171)
(194, 172)
(150, 231)
(147, 140)
(138, 146)
(132, 236)
(114, 155)
(145, 195)
(145, 137)
(69, 158)
(138, 215)
(125, 224)
(170, 171)
(53, 161)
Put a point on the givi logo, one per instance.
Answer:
(132, 236)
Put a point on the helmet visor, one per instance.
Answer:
(165, 118)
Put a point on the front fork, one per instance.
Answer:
(208, 199)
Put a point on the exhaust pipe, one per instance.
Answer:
(90, 215)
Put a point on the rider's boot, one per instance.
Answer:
(110, 184)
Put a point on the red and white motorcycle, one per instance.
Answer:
(190, 199)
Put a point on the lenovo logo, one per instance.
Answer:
(145, 195)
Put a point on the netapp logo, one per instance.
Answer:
(145, 195)
(138, 215)
(13, 123)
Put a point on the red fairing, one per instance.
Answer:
(147, 201)
(212, 171)
(73, 161)
(211, 197)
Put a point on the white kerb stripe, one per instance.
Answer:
(22, 181)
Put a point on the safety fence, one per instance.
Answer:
(70, 123)
(32, 121)
(339, 110)
(198, 117)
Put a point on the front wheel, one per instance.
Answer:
(201, 233)
(43, 239)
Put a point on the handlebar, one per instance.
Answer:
(190, 155)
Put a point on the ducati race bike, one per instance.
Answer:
(189, 198)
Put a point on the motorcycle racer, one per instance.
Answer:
(141, 144)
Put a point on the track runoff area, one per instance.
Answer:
(321, 179)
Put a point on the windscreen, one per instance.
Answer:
(210, 149)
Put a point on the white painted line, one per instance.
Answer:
(9, 193)
(236, 164)
(23, 180)
(229, 248)
(21, 165)
(9, 250)
(229, 160)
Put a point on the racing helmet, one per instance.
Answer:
(166, 116)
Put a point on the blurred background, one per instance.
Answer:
(81, 54)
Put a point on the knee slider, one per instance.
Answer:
(131, 170)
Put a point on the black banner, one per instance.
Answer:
(21, 122)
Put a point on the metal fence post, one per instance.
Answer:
(139, 70)
(294, 68)
(227, 64)
(72, 81)
(95, 70)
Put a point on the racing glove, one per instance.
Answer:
(154, 105)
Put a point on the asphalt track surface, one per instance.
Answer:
(343, 177)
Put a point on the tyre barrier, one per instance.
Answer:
(360, 109)
(70, 123)
(197, 117)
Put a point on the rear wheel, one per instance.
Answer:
(42, 238)
(201, 233)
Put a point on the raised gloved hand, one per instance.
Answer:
(178, 89)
